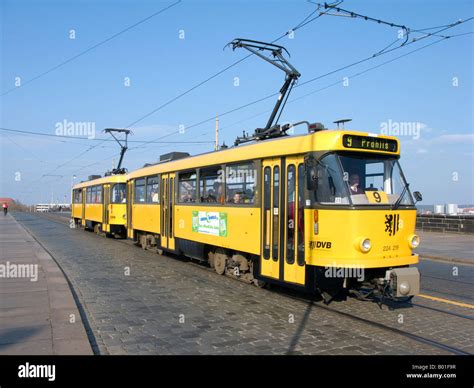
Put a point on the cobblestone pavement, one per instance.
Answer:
(138, 302)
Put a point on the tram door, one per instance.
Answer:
(283, 220)
(84, 191)
(129, 208)
(167, 211)
(106, 193)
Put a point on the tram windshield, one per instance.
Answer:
(360, 179)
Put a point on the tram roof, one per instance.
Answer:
(326, 140)
(121, 178)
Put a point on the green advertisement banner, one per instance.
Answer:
(211, 223)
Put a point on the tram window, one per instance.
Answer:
(187, 187)
(119, 193)
(374, 176)
(276, 212)
(77, 197)
(98, 194)
(300, 224)
(93, 194)
(395, 182)
(211, 185)
(139, 196)
(363, 175)
(290, 214)
(152, 189)
(331, 186)
(267, 181)
(374, 173)
(241, 183)
(89, 195)
(170, 199)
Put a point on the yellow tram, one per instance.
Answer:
(100, 204)
(322, 211)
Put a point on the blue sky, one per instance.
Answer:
(431, 89)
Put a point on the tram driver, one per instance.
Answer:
(354, 184)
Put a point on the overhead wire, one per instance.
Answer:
(298, 26)
(366, 59)
(80, 54)
(338, 82)
(304, 22)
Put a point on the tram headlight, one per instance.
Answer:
(414, 241)
(404, 288)
(365, 245)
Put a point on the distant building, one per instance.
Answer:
(42, 207)
(52, 207)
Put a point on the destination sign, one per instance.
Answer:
(369, 143)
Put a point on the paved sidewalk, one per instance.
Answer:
(458, 248)
(38, 314)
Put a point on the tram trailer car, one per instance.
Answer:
(323, 211)
(99, 204)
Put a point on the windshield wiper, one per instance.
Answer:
(399, 200)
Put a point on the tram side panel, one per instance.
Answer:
(146, 217)
(236, 228)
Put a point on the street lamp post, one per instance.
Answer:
(72, 185)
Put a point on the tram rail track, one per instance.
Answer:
(415, 337)
(449, 280)
(443, 311)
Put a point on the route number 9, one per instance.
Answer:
(377, 197)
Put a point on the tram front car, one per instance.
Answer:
(362, 229)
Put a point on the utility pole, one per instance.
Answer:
(72, 185)
(216, 146)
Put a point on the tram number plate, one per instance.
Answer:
(377, 197)
(389, 248)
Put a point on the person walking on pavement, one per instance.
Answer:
(5, 208)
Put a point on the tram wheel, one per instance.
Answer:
(210, 259)
(143, 242)
(220, 261)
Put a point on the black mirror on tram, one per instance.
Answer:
(418, 196)
(311, 174)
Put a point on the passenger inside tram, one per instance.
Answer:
(237, 198)
(187, 196)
